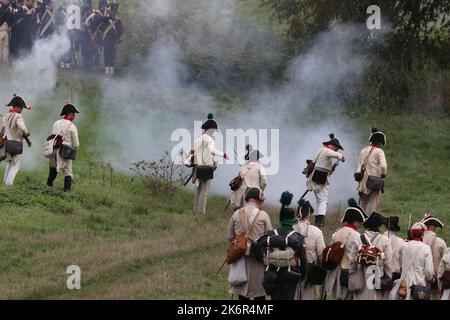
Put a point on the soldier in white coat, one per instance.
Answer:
(376, 239)
(205, 153)
(15, 131)
(437, 245)
(444, 268)
(252, 213)
(417, 264)
(397, 245)
(253, 175)
(353, 219)
(373, 160)
(319, 180)
(69, 133)
(315, 244)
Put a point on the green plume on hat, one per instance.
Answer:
(352, 202)
(210, 116)
(286, 198)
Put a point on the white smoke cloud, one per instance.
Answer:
(161, 101)
(35, 77)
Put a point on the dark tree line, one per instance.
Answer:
(417, 47)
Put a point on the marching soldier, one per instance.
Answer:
(94, 19)
(205, 152)
(373, 237)
(437, 245)
(24, 28)
(87, 39)
(111, 32)
(46, 19)
(417, 265)
(281, 282)
(397, 245)
(6, 19)
(251, 214)
(253, 176)
(444, 276)
(336, 283)
(69, 139)
(15, 130)
(372, 164)
(315, 244)
(15, 29)
(319, 179)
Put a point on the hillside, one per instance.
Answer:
(132, 241)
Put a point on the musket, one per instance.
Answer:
(189, 179)
(237, 161)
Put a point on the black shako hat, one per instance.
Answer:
(210, 123)
(69, 108)
(334, 142)
(354, 213)
(377, 137)
(376, 220)
(429, 220)
(18, 102)
(392, 224)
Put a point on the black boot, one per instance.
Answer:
(52, 176)
(67, 184)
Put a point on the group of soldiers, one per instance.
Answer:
(375, 264)
(22, 22)
(64, 139)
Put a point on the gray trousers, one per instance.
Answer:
(370, 202)
(201, 197)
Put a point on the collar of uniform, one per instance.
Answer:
(351, 226)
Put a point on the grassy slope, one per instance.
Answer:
(131, 243)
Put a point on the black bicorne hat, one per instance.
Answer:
(354, 213)
(334, 142)
(392, 224)
(210, 123)
(376, 220)
(69, 108)
(254, 193)
(304, 208)
(377, 137)
(18, 102)
(430, 220)
(254, 155)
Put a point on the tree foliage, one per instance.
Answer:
(418, 37)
